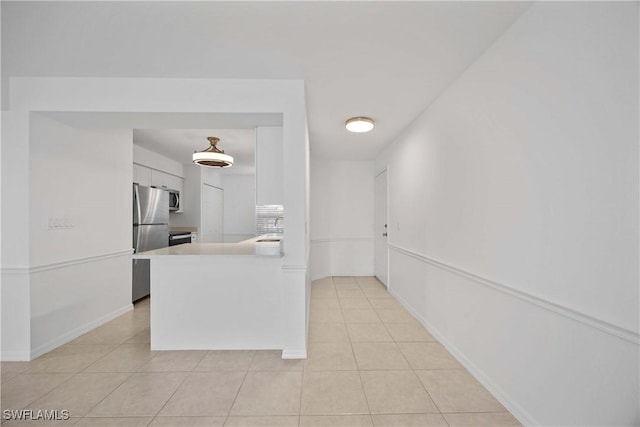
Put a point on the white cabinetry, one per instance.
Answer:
(142, 175)
(171, 182)
(161, 179)
(269, 165)
(154, 178)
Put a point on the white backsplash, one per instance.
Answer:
(269, 219)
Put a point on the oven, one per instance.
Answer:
(179, 238)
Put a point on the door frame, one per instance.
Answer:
(385, 169)
(202, 216)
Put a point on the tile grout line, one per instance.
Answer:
(308, 345)
(72, 375)
(404, 358)
(235, 398)
(304, 368)
(424, 387)
(397, 343)
(116, 387)
(355, 360)
(170, 397)
(190, 371)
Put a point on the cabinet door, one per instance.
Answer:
(158, 179)
(269, 178)
(141, 175)
(172, 182)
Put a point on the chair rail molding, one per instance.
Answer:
(563, 310)
(22, 269)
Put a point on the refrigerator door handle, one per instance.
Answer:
(136, 205)
(136, 239)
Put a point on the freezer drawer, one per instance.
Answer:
(141, 279)
(150, 237)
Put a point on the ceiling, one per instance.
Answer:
(386, 60)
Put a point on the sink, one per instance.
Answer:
(269, 244)
(269, 238)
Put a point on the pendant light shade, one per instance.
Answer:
(212, 157)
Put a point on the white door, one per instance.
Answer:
(211, 214)
(380, 228)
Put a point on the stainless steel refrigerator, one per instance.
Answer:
(150, 231)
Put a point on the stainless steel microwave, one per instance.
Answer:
(174, 200)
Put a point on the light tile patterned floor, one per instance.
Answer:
(370, 364)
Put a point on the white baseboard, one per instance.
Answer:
(341, 256)
(75, 333)
(294, 354)
(14, 356)
(516, 410)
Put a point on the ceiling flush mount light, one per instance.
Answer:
(212, 157)
(359, 124)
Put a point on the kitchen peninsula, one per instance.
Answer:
(217, 296)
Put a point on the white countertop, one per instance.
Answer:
(246, 247)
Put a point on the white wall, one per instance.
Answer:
(514, 215)
(16, 322)
(80, 199)
(268, 155)
(341, 218)
(239, 207)
(81, 177)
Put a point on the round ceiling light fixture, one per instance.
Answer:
(359, 124)
(212, 157)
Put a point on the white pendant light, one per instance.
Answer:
(359, 124)
(212, 157)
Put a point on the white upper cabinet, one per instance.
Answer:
(141, 175)
(154, 178)
(165, 180)
(159, 179)
(173, 182)
(269, 165)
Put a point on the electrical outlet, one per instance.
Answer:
(60, 223)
